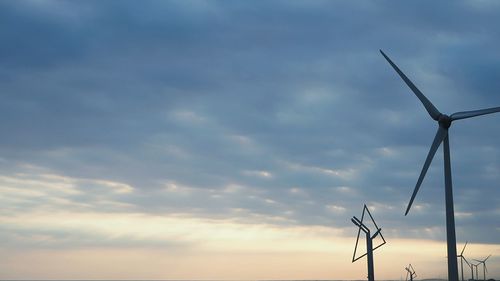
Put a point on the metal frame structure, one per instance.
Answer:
(410, 271)
(369, 241)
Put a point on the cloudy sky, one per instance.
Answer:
(236, 139)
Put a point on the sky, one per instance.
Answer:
(236, 139)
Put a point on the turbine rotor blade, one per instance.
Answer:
(473, 113)
(487, 257)
(440, 135)
(464, 247)
(431, 109)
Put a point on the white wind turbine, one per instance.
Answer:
(444, 123)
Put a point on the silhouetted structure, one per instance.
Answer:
(410, 272)
(444, 122)
(462, 259)
(471, 271)
(485, 269)
(369, 241)
(475, 266)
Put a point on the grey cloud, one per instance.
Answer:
(197, 93)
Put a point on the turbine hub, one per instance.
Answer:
(444, 121)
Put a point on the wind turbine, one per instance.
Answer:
(462, 258)
(471, 270)
(485, 269)
(411, 272)
(369, 241)
(444, 122)
(475, 265)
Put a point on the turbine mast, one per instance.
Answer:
(451, 240)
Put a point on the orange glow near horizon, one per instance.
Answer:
(211, 249)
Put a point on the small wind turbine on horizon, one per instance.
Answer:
(485, 269)
(410, 271)
(369, 241)
(444, 123)
(471, 270)
(475, 265)
(462, 259)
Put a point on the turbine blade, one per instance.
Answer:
(466, 261)
(487, 258)
(473, 113)
(464, 247)
(440, 135)
(477, 260)
(431, 109)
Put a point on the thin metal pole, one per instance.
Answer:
(450, 215)
(369, 257)
(462, 266)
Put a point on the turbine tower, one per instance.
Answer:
(369, 241)
(485, 269)
(462, 259)
(444, 122)
(410, 272)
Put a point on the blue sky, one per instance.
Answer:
(128, 125)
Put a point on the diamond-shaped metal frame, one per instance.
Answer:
(410, 270)
(365, 209)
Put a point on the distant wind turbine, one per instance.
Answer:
(477, 274)
(485, 269)
(444, 122)
(462, 259)
(472, 266)
(472, 271)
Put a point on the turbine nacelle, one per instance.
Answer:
(444, 121)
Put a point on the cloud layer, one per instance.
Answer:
(276, 113)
